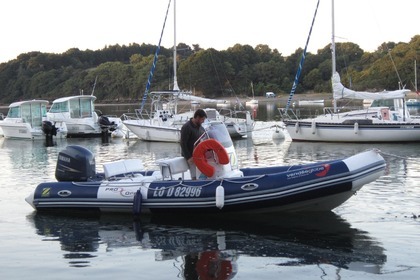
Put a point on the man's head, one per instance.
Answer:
(200, 116)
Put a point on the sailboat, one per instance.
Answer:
(253, 101)
(163, 122)
(387, 119)
(414, 101)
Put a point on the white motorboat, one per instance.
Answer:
(318, 102)
(28, 120)
(1, 120)
(79, 115)
(164, 125)
(413, 102)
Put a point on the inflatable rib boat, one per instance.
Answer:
(221, 187)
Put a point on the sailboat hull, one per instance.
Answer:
(356, 132)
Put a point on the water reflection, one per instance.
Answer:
(25, 155)
(213, 246)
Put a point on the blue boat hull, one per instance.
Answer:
(312, 187)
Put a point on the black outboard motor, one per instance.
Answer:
(106, 126)
(75, 164)
(49, 130)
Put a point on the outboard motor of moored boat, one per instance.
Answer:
(49, 128)
(106, 124)
(75, 163)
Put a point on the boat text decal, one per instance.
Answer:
(121, 191)
(319, 171)
(177, 192)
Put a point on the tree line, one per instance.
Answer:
(121, 72)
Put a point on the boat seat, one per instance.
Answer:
(170, 167)
(122, 167)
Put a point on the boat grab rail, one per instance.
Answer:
(138, 114)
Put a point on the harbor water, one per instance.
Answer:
(374, 235)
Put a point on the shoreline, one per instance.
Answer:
(262, 99)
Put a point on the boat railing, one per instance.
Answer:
(311, 112)
(342, 109)
(137, 115)
(234, 115)
(298, 113)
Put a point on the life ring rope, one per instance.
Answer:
(199, 156)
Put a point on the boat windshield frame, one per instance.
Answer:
(218, 131)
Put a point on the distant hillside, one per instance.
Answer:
(122, 71)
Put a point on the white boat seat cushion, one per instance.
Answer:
(122, 167)
(133, 165)
(172, 166)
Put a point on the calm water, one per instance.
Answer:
(374, 235)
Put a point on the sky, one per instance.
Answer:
(54, 26)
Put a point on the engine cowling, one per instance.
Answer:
(75, 164)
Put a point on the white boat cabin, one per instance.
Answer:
(74, 107)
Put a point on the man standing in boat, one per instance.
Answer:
(190, 132)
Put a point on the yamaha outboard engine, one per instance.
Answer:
(75, 164)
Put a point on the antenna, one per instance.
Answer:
(94, 85)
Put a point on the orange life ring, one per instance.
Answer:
(199, 156)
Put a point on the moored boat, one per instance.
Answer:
(28, 120)
(222, 187)
(413, 102)
(79, 115)
(163, 122)
(318, 102)
(387, 119)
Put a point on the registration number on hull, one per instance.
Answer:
(177, 192)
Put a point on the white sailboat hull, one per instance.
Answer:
(357, 132)
(387, 118)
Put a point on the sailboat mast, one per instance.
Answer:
(176, 87)
(333, 39)
(415, 76)
(333, 66)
